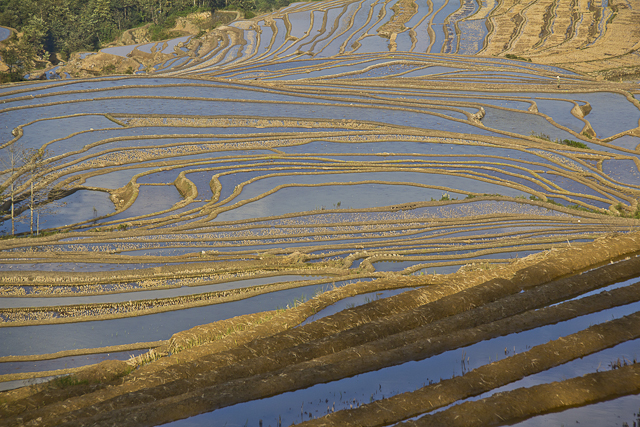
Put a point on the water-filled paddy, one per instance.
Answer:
(352, 392)
(353, 302)
(64, 362)
(4, 33)
(356, 197)
(24, 340)
(120, 50)
(141, 294)
(350, 173)
(622, 408)
(359, 194)
(575, 368)
(97, 266)
(78, 207)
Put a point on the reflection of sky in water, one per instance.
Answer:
(4, 33)
(419, 194)
(606, 105)
(354, 302)
(85, 266)
(147, 47)
(560, 112)
(595, 414)
(171, 44)
(622, 170)
(393, 380)
(505, 120)
(141, 294)
(402, 265)
(120, 81)
(151, 199)
(622, 409)
(297, 199)
(461, 152)
(60, 128)
(522, 123)
(119, 50)
(176, 91)
(626, 141)
(300, 23)
(447, 211)
(64, 362)
(568, 184)
(373, 43)
(373, 30)
(359, 19)
(113, 180)
(329, 45)
(439, 18)
(472, 36)
(43, 339)
(77, 207)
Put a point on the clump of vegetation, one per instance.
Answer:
(580, 208)
(628, 212)
(619, 363)
(518, 58)
(145, 358)
(445, 198)
(567, 142)
(577, 144)
(161, 32)
(109, 69)
(68, 381)
(613, 15)
(587, 134)
(542, 136)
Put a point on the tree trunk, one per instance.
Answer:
(13, 227)
(31, 207)
(13, 188)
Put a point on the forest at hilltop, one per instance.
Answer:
(67, 26)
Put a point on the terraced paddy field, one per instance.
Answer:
(307, 222)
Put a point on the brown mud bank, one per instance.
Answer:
(257, 356)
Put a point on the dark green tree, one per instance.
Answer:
(19, 57)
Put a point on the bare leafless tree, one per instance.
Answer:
(13, 158)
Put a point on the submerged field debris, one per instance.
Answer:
(336, 213)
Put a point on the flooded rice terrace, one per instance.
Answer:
(366, 219)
